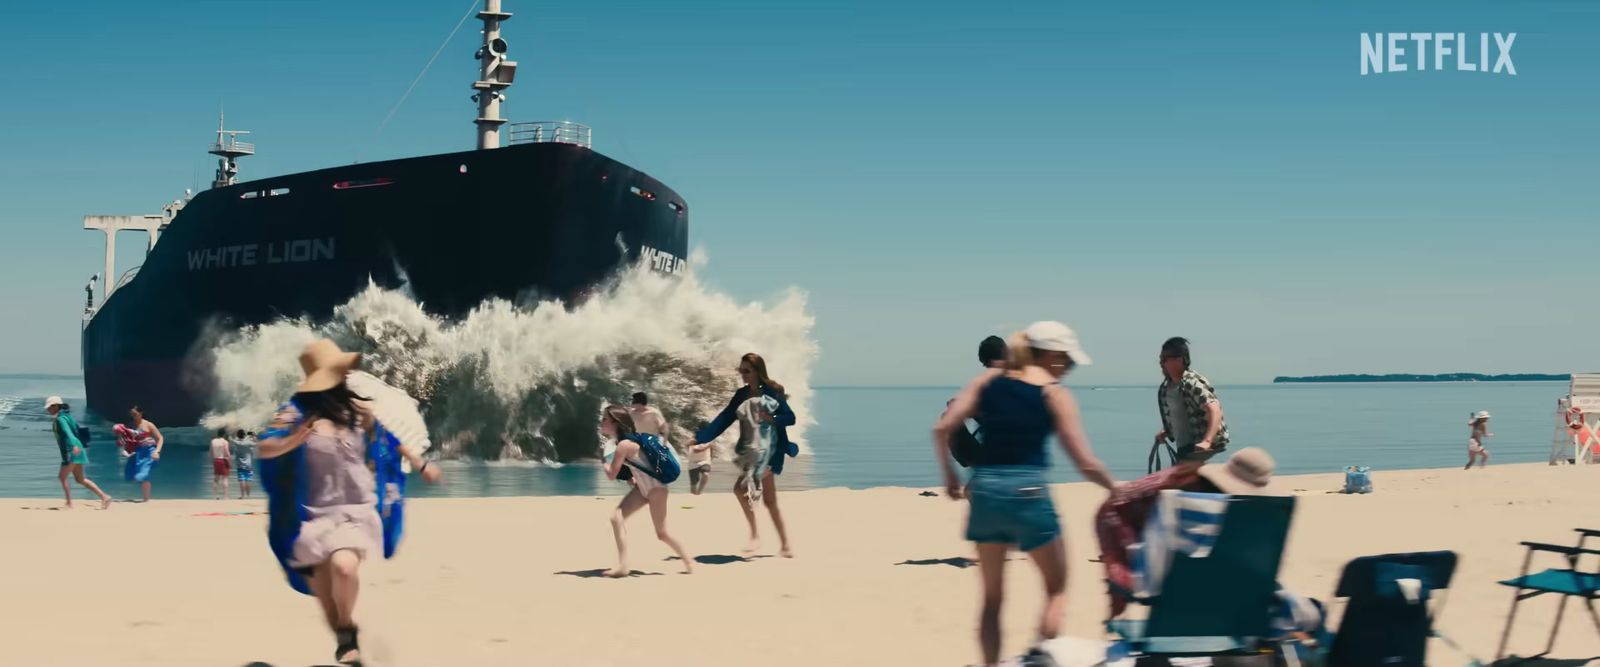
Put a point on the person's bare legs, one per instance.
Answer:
(769, 497)
(992, 570)
(321, 582)
(336, 584)
(701, 479)
(65, 489)
(144, 490)
(85, 482)
(739, 490)
(224, 479)
(658, 515)
(1051, 560)
(619, 529)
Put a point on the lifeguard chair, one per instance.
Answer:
(1577, 438)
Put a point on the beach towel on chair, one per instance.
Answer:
(753, 454)
(1181, 523)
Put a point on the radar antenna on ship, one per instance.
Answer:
(495, 76)
(230, 149)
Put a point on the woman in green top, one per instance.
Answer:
(73, 455)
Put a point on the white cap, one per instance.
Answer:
(53, 401)
(1056, 337)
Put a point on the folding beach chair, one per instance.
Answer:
(1388, 618)
(1218, 585)
(1569, 582)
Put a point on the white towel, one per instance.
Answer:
(396, 409)
(1181, 522)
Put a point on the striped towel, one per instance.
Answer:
(1181, 522)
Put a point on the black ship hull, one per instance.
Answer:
(548, 219)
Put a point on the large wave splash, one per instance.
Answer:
(527, 381)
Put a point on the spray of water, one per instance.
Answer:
(527, 381)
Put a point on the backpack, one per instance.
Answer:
(965, 441)
(659, 461)
(964, 444)
(81, 431)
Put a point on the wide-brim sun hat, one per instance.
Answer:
(1052, 336)
(325, 365)
(1247, 473)
(53, 401)
(1481, 414)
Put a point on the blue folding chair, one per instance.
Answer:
(1569, 582)
(1385, 623)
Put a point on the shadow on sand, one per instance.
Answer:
(600, 573)
(955, 561)
(720, 559)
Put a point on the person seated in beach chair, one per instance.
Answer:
(1121, 519)
(1135, 557)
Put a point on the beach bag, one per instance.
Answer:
(1358, 479)
(659, 462)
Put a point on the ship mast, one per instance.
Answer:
(230, 149)
(494, 76)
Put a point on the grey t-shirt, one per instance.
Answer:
(1179, 409)
(244, 453)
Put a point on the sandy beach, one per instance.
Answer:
(876, 580)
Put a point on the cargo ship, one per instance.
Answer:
(543, 215)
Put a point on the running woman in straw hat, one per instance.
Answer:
(323, 497)
(1475, 448)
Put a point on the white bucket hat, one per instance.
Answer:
(1054, 336)
(1481, 414)
(53, 401)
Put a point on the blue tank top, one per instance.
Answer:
(1016, 422)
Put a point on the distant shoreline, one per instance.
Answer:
(39, 376)
(1412, 377)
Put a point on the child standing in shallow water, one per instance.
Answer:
(220, 453)
(244, 461)
(1475, 448)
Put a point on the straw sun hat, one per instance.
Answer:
(325, 365)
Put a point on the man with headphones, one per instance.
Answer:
(1191, 415)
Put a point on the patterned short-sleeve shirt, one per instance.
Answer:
(1197, 394)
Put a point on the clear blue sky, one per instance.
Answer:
(929, 172)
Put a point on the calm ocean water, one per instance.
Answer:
(867, 437)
